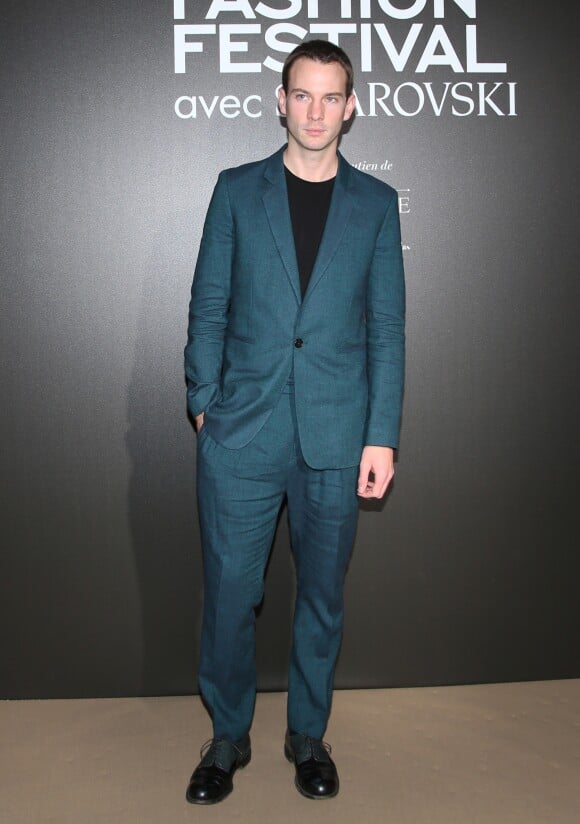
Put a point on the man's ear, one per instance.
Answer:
(282, 100)
(350, 105)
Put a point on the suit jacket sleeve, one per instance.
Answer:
(385, 314)
(210, 299)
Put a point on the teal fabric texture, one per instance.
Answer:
(249, 329)
(240, 492)
(292, 388)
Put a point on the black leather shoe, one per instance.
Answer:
(212, 778)
(316, 775)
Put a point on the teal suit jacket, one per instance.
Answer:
(249, 328)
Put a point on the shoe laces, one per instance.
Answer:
(317, 747)
(214, 747)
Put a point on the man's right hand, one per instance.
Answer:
(198, 422)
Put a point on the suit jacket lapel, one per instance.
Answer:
(336, 223)
(275, 200)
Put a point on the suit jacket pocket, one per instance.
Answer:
(236, 336)
(352, 347)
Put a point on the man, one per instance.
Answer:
(294, 365)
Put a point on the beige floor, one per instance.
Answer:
(500, 753)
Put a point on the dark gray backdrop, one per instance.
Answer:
(469, 571)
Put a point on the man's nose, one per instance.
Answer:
(316, 110)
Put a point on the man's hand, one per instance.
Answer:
(378, 461)
(198, 422)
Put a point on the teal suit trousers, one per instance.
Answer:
(240, 493)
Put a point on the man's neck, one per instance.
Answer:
(313, 166)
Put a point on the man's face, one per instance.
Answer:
(316, 105)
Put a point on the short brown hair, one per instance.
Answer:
(323, 52)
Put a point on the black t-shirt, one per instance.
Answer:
(309, 204)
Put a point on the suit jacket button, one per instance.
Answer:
(298, 343)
